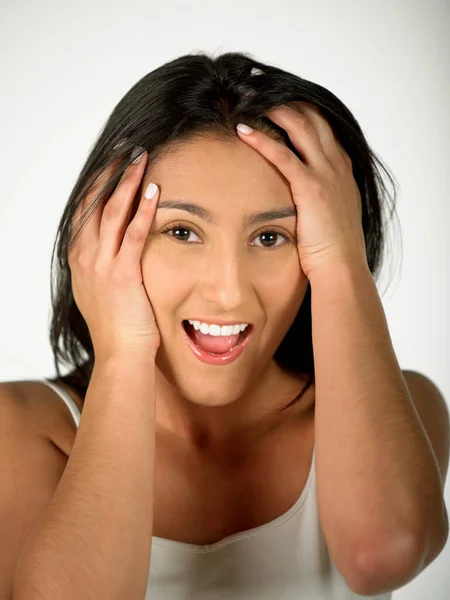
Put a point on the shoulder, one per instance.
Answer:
(31, 465)
(433, 412)
(39, 407)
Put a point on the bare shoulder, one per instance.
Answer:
(432, 409)
(40, 408)
(31, 465)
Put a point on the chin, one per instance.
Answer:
(210, 396)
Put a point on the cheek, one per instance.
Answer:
(284, 298)
(285, 274)
(281, 293)
(161, 260)
(294, 284)
(166, 284)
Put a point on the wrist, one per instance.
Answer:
(339, 268)
(126, 358)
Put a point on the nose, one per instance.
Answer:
(224, 280)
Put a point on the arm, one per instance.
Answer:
(378, 482)
(94, 539)
(380, 494)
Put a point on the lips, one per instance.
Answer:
(222, 359)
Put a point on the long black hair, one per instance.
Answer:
(199, 94)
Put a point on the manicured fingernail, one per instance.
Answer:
(137, 154)
(151, 190)
(244, 128)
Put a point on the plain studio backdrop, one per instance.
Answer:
(65, 65)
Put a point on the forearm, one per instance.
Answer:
(377, 477)
(94, 540)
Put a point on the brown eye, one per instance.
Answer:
(270, 236)
(177, 228)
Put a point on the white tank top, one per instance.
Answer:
(286, 559)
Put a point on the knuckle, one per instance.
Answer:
(111, 211)
(81, 260)
(133, 235)
(342, 155)
(283, 155)
(302, 120)
(99, 269)
(342, 165)
(348, 160)
(144, 210)
(330, 169)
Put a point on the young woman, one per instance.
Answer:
(223, 330)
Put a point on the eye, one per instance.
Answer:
(177, 227)
(180, 227)
(272, 234)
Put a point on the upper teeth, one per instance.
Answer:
(217, 329)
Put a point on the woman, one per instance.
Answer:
(188, 469)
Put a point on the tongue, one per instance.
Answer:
(218, 344)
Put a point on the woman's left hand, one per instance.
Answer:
(325, 193)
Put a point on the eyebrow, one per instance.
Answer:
(249, 218)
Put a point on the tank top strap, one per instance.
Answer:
(65, 397)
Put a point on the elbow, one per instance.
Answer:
(383, 570)
(380, 568)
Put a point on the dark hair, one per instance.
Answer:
(200, 95)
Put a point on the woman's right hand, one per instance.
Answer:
(105, 265)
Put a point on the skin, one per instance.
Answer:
(224, 271)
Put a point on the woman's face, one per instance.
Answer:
(227, 269)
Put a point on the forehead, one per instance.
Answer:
(221, 180)
(203, 162)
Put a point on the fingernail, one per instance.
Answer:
(151, 190)
(137, 154)
(244, 128)
(120, 144)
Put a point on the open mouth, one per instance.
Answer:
(189, 329)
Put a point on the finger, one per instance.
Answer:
(302, 134)
(93, 226)
(277, 153)
(88, 237)
(116, 213)
(331, 146)
(137, 232)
